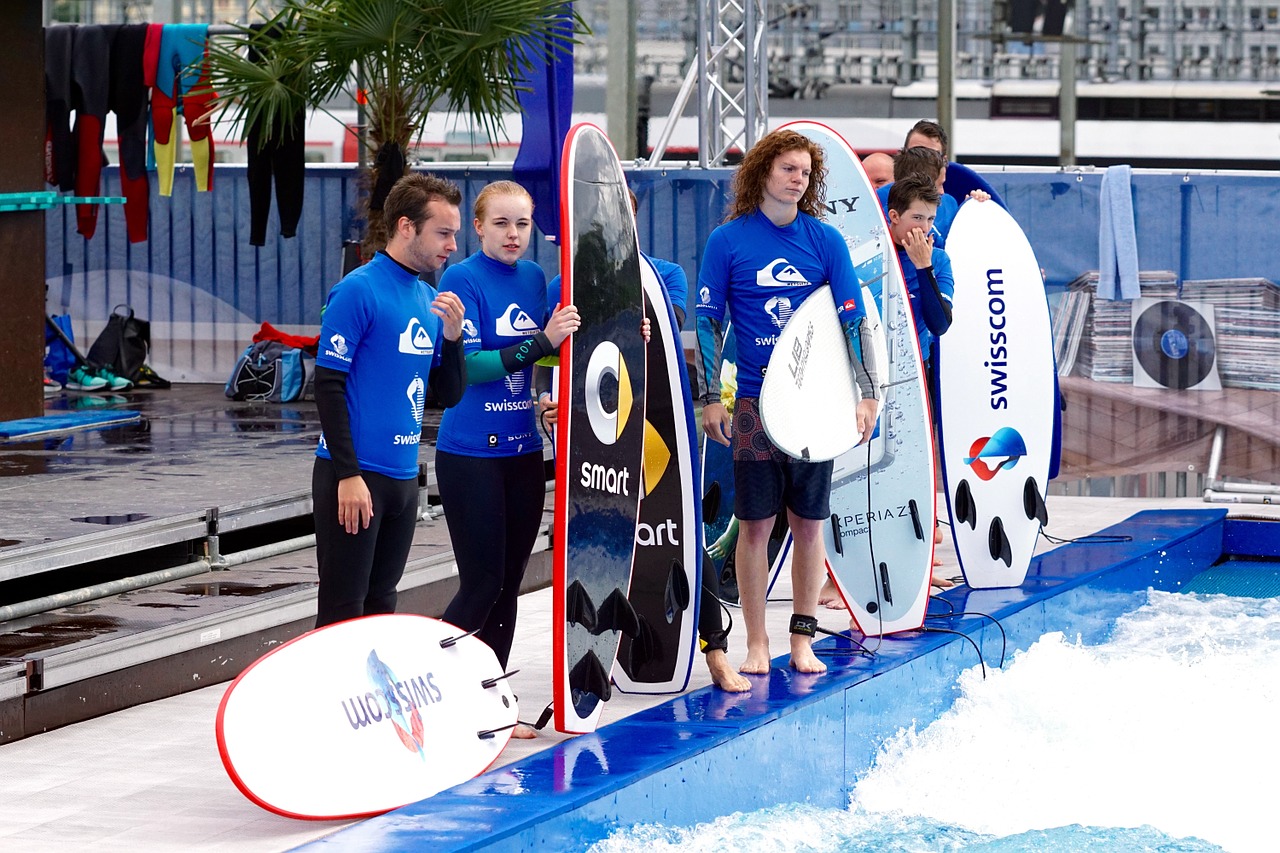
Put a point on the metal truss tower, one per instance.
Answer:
(731, 76)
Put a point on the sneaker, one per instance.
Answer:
(51, 388)
(148, 378)
(113, 379)
(81, 379)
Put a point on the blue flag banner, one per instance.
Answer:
(547, 110)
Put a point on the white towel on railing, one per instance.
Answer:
(1117, 237)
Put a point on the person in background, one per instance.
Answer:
(489, 453)
(879, 169)
(385, 336)
(930, 135)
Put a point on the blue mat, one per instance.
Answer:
(65, 422)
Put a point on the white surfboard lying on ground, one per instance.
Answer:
(996, 376)
(364, 716)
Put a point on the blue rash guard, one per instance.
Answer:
(761, 272)
(504, 305)
(925, 310)
(948, 207)
(379, 330)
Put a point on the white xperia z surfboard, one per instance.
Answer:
(879, 541)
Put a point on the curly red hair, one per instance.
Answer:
(749, 181)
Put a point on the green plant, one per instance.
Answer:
(404, 56)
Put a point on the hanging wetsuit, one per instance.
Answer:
(128, 100)
(280, 154)
(91, 55)
(59, 142)
(182, 76)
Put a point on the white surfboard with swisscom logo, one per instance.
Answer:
(879, 539)
(996, 376)
(364, 716)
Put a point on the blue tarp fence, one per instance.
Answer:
(198, 267)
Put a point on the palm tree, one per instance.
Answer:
(400, 57)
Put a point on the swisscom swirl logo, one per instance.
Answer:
(992, 454)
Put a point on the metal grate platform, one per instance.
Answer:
(1241, 578)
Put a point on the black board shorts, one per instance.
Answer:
(765, 479)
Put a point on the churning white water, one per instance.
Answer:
(1164, 738)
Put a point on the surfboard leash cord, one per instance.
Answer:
(860, 649)
(543, 718)
(871, 547)
(981, 662)
(1091, 539)
(1004, 640)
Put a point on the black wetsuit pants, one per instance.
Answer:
(359, 572)
(493, 506)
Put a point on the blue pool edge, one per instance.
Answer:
(804, 738)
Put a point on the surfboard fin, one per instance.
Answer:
(490, 682)
(588, 676)
(676, 597)
(885, 588)
(449, 642)
(616, 614)
(963, 505)
(998, 543)
(578, 608)
(487, 734)
(642, 649)
(711, 503)
(1033, 503)
(835, 533)
(915, 519)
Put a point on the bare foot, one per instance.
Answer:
(828, 595)
(723, 675)
(942, 583)
(937, 535)
(757, 662)
(523, 732)
(802, 657)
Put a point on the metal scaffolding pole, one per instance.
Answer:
(731, 73)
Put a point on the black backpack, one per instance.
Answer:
(123, 345)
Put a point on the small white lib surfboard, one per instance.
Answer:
(809, 397)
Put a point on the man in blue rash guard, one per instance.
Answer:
(386, 334)
(771, 253)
